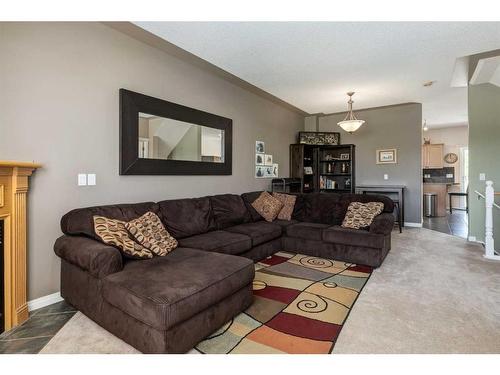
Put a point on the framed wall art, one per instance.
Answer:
(319, 138)
(387, 156)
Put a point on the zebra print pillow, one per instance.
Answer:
(360, 215)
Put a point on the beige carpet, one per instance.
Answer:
(433, 294)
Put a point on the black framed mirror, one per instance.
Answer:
(158, 137)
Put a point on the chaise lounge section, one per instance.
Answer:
(168, 304)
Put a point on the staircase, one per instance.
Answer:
(489, 198)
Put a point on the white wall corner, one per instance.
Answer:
(44, 301)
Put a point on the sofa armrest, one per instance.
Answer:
(90, 255)
(382, 224)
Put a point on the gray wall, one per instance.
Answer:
(484, 146)
(59, 106)
(398, 126)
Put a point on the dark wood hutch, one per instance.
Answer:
(324, 168)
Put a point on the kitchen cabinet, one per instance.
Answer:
(432, 155)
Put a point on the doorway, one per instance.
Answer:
(446, 176)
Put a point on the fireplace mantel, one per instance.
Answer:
(14, 184)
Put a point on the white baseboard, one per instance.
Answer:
(413, 225)
(44, 301)
(474, 239)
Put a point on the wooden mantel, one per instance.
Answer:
(13, 189)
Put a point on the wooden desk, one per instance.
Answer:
(387, 189)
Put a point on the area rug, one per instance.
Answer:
(300, 305)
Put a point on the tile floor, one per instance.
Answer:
(455, 223)
(31, 336)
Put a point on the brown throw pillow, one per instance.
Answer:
(267, 206)
(113, 232)
(149, 231)
(288, 205)
(360, 215)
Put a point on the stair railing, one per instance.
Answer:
(489, 242)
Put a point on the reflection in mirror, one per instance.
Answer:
(164, 138)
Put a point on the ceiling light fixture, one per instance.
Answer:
(350, 123)
(425, 128)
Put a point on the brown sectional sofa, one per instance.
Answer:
(168, 304)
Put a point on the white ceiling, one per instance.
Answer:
(311, 65)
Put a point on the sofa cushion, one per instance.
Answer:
(186, 217)
(249, 198)
(284, 223)
(113, 232)
(288, 201)
(219, 241)
(165, 291)
(229, 210)
(259, 232)
(81, 220)
(149, 231)
(267, 206)
(360, 215)
(353, 237)
(308, 231)
(326, 208)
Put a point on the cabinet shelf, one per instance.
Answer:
(315, 156)
(335, 161)
(336, 174)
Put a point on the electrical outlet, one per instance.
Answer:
(91, 179)
(82, 179)
(482, 176)
(386, 176)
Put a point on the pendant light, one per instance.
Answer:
(350, 123)
(425, 128)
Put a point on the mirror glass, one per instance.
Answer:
(164, 138)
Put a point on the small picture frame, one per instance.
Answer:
(259, 159)
(387, 156)
(260, 171)
(268, 159)
(345, 156)
(275, 170)
(260, 147)
(308, 170)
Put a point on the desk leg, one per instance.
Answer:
(402, 208)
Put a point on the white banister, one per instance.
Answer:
(489, 243)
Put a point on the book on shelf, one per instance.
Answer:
(326, 183)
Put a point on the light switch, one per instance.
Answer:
(386, 176)
(482, 176)
(82, 179)
(91, 179)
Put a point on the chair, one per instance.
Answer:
(398, 215)
(459, 194)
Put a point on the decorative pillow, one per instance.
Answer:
(360, 215)
(149, 231)
(267, 206)
(288, 205)
(113, 232)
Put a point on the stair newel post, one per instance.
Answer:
(488, 239)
